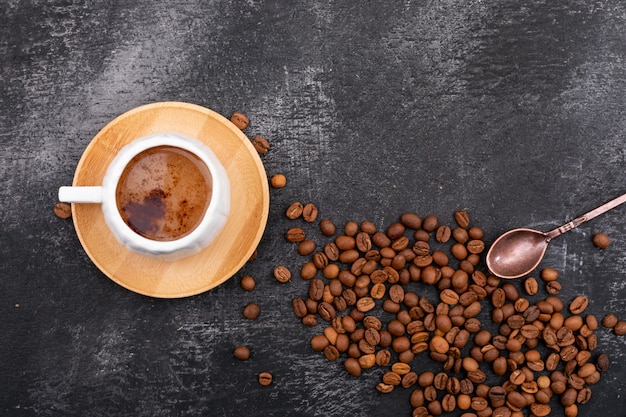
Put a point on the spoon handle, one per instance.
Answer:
(586, 217)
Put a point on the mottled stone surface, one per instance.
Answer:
(515, 111)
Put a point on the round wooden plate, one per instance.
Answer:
(231, 248)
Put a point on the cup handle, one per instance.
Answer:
(89, 194)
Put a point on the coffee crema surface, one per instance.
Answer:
(164, 192)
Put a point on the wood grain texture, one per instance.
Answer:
(513, 111)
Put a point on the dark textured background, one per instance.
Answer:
(515, 111)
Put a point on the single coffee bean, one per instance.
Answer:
(549, 274)
(384, 388)
(578, 304)
(602, 363)
(242, 353)
(308, 270)
(443, 234)
(553, 287)
(306, 247)
(63, 210)
(282, 274)
(265, 379)
(319, 342)
(294, 210)
(251, 311)
(363, 242)
(620, 328)
(411, 220)
(395, 230)
(247, 283)
(462, 218)
(331, 251)
(430, 223)
(261, 145)
(278, 181)
(327, 227)
(531, 286)
(352, 366)
(601, 240)
(295, 235)
(309, 212)
(299, 307)
(609, 321)
(475, 246)
(240, 120)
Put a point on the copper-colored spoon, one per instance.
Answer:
(519, 251)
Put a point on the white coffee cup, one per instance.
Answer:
(207, 229)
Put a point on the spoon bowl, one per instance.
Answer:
(517, 252)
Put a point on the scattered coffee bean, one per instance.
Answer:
(278, 181)
(295, 235)
(240, 120)
(261, 144)
(610, 320)
(531, 286)
(601, 240)
(282, 274)
(327, 227)
(265, 379)
(620, 328)
(309, 213)
(247, 283)
(63, 210)
(294, 210)
(251, 311)
(242, 353)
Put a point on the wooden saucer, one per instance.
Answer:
(231, 248)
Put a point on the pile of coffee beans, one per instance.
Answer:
(381, 298)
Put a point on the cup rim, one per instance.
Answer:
(194, 240)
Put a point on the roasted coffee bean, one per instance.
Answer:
(578, 304)
(430, 223)
(620, 328)
(242, 353)
(294, 210)
(306, 247)
(265, 379)
(601, 240)
(247, 283)
(299, 307)
(395, 230)
(63, 210)
(251, 311)
(363, 242)
(278, 181)
(240, 120)
(295, 235)
(540, 410)
(282, 274)
(327, 227)
(443, 234)
(351, 228)
(602, 363)
(352, 366)
(462, 218)
(553, 287)
(384, 388)
(326, 311)
(609, 321)
(475, 246)
(261, 145)
(319, 342)
(531, 286)
(309, 213)
(549, 274)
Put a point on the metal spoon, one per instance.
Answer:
(519, 251)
